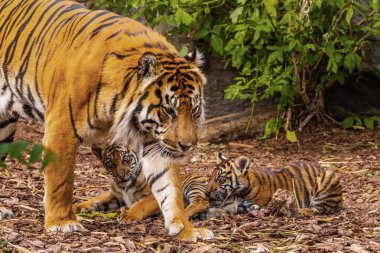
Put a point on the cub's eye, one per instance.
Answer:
(195, 109)
(221, 180)
(169, 111)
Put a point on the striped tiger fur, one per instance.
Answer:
(316, 191)
(129, 187)
(94, 74)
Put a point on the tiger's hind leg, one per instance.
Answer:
(326, 196)
(103, 202)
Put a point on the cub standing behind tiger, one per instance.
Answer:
(94, 74)
(317, 191)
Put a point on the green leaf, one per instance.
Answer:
(291, 136)
(201, 34)
(349, 14)
(292, 45)
(35, 153)
(217, 44)
(349, 62)
(94, 214)
(47, 159)
(271, 7)
(235, 14)
(369, 123)
(348, 122)
(376, 5)
(15, 149)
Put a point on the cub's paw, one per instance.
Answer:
(305, 211)
(5, 213)
(128, 218)
(68, 226)
(82, 208)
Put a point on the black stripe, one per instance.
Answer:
(7, 122)
(73, 123)
(152, 179)
(113, 35)
(163, 188)
(92, 126)
(97, 30)
(96, 100)
(163, 201)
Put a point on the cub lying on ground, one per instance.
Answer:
(316, 191)
(130, 188)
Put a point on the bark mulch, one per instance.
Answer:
(354, 154)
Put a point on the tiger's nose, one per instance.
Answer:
(185, 146)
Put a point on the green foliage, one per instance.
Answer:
(354, 121)
(94, 214)
(26, 153)
(289, 50)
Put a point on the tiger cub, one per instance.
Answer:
(129, 188)
(316, 191)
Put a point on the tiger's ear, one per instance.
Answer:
(241, 165)
(195, 57)
(97, 151)
(221, 158)
(147, 66)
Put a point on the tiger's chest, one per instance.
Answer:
(131, 192)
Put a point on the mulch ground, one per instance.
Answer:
(355, 154)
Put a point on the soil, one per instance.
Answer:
(354, 154)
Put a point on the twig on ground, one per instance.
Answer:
(91, 187)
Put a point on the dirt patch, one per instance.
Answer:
(357, 228)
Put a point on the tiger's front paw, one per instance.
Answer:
(193, 234)
(67, 226)
(129, 218)
(186, 231)
(5, 213)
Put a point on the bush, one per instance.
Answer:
(289, 50)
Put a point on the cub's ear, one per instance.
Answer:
(242, 165)
(221, 158)
(147, 65)
(195, 57)
(97, 151)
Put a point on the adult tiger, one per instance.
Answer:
(90, 73)
(316, 191)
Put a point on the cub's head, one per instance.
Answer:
(120, 161)
(228, 177)
(168, 108)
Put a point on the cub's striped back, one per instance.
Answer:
(317, 191)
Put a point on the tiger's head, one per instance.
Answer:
(228, 178)
(121, 162)
(167, 108)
